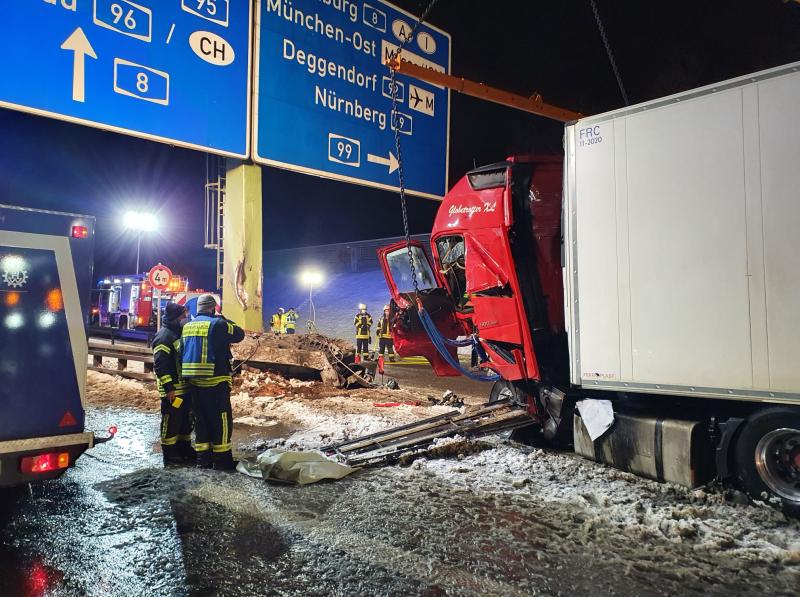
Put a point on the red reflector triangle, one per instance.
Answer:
(68, 420)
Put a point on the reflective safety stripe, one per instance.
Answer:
(225, 446)
(202, 447)
(169, 441)
(196, 328)
(195, 369)
(210, 382)
(165, 379)
(181, 389)
(161, 348)
(176, 345)
(164, 424)
(230, 328)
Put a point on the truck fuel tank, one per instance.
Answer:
(673, 450)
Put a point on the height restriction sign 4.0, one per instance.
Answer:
(160, 276)
(176, 71)
(325, 99)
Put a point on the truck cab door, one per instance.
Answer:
(410, 337)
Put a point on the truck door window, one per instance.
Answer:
(451, 256)
(400, 267)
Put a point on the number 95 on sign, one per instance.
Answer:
(141, 82)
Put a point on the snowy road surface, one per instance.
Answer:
(506, 521)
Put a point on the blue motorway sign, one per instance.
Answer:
(176, 71)
(324, 98)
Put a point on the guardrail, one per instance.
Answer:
(123, 353)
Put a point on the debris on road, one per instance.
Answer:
(298, 468)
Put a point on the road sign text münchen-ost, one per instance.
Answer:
(176, 71)
(325, 99)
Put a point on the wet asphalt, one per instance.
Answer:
(118, 524)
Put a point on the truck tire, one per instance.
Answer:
(767, 456)
(530, 434)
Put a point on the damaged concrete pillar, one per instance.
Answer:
(242, 246)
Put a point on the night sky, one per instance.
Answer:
(524, 46)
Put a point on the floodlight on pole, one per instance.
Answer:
(140, 222)
(312, 278)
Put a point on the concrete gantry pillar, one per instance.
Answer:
(242, 246)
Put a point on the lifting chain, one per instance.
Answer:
(610, 54)
(393, 86)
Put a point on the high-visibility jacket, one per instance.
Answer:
(276, 323)
(290, 320)
(167, 361)
(206, 344)
(384, 329)
(363, 323)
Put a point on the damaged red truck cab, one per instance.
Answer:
(482, 277)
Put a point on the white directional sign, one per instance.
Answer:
(176, 71)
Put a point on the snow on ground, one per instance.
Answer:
(111, 390)
(611, 499)
(606, 501)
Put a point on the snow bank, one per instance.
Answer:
(613, 499)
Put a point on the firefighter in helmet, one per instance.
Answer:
(363, 324)
(290, 321)
(276, 323)
(176, 404)
(384, 334)
(207, 367)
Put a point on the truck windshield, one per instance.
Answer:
(400, 267)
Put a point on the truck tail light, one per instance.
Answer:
(80, 232)
(44, 463)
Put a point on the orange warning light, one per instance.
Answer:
(54, 300)
(12, 299)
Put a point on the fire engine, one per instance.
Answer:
(127, 302)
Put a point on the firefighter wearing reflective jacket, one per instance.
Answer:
(176, 404)
(384, 334)
(363, 323)
(207, 367)
(290, 321)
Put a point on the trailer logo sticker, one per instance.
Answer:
(589, 136)
(14, 273)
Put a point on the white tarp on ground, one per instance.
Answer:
(301, 468)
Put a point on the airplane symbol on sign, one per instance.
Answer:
(416, 97)
(421, 100)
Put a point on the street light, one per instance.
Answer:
(311, 278)
(141, 222)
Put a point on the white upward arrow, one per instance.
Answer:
(391, 161)
(78, 43)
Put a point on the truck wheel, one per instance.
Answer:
(768, 456)
(530, 434)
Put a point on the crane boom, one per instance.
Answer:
(533, 104)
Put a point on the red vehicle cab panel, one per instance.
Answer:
(496, 244)
(410, 338)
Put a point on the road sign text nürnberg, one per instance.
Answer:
(324, 94)
(176, 71)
